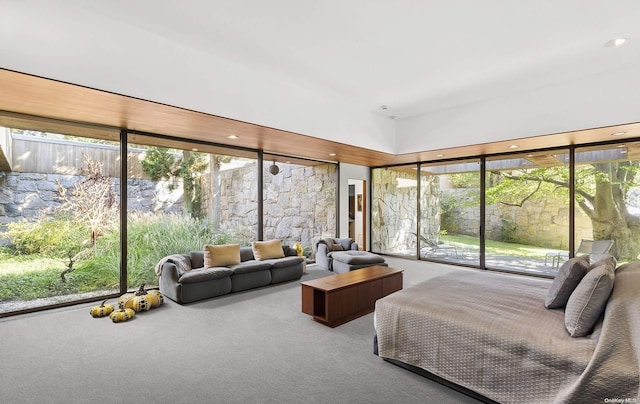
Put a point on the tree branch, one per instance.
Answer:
(525, 199)
(564, 184)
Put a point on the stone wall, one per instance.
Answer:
(299, 202)
(394, 210)
(30, 195)
(542, 223)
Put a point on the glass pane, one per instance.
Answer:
(527, 212)
(450, 212)
(182, 196)
(394, 217)
(608, 199)
(299, 201)
(59, 210)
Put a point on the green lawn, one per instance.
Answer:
(498, 247)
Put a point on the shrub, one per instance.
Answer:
(56, 237)
(149, 238)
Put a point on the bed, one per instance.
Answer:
(490, 335)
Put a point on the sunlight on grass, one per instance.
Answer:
(18, 264)
(497, 247)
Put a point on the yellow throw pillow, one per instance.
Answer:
(265, 250)
(221, 255)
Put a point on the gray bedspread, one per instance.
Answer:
(491, 333)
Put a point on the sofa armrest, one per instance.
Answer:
(170, 272)
(322, 256)
(289, 252)
(354, 246)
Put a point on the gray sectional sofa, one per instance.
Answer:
(197, 283)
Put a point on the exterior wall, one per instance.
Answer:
(30, 195)
(393, 211)
(299, 202)
(541, 223)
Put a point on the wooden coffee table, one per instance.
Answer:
(340, 298)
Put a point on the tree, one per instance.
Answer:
(160, 163)
(91, 200)
(601, 191)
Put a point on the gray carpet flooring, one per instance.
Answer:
(249, 347)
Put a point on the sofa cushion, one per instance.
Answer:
(284, 262)
(204, 274)
(345, 243)
(354, 257)
(568, 277)
(221, 255)
(588, 301)
(264, 250)
(246, 267)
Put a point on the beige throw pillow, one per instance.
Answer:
(221, 255)
(588, 300)
(568, 277)
(265, 250)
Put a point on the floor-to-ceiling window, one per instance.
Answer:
(607, 197)
(527, 211)
(394, 210)
(450, 212)
(59, 213)
(299, 200)
(182, 195)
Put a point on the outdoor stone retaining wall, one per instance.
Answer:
(541, 223)
(29, 195)
(393, 214)
(299, 202)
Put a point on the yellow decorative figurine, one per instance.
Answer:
(298, 247)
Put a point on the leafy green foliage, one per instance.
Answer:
(159, 163)
(150, 237)
(162, 163)
(58, 237)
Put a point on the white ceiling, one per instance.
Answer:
(416, 57)
(413, 56)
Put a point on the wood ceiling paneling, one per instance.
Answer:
(26, 94)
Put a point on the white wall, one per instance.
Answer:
(351, 172)
(590, 102)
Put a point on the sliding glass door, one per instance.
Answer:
(450, 212)
(527, 211)
(607, 198)
(394, 210)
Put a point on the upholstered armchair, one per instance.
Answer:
(326, 246)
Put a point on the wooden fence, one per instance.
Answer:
(40, 155)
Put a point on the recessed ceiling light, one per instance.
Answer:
(529, 155)
(233, 137)
(513, 146)
(332, 154)
(440, 155)
(614, 43)
(618, 133)
(194, 149)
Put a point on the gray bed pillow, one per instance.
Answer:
(588, 301)
(605, 259)
(568, 277)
